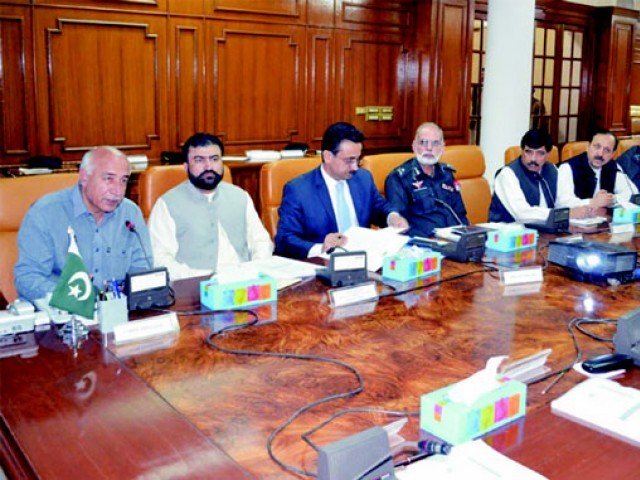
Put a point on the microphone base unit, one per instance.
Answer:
(469, 247)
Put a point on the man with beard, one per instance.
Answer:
(424, 190)
(95, 212)
(319, 206)
(204, 225)
(592, 179)
(526, 189)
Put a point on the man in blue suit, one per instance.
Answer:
(319, 206)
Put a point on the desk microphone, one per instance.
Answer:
(132, 228)
(634, 197)
(448, 207)
(546, 186)
(333, 249)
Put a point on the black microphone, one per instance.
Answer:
(634, 197)
(132, 228)
(448, 207)
(546, 186)
(333, 249)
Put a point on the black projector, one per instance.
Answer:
(594, 262)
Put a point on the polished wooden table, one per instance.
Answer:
(187, 411)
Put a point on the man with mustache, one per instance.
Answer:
(319, 206)
(423, 190)
(592, 179)
(526, 189)
(96, 211)
(204, 225)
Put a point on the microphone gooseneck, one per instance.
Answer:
(132, 228)
(448, 207)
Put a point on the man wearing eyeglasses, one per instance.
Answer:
(424, 190)
(319, 206)
(592, 179)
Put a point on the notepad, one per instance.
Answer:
(603, 405)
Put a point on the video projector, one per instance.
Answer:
(594, 262)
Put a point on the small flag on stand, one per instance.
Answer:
(74, 292)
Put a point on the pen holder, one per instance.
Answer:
(112, 312)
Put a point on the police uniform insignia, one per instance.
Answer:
(456, 185)
(417, 184)
(448, 188)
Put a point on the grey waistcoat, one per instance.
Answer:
(197, 219)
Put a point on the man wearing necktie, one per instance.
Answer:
(526, 189)
(319, 206)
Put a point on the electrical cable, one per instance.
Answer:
(574, 323)
(316, 358)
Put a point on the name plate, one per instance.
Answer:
(622, 228)
(339, 297)
(521, 275)
(146, 328)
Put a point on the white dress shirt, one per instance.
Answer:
(623, 187)
(507, 188)
(162, 230)
(331, 183)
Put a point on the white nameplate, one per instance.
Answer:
(521, 275)
(622, 228)
(146, 328)
(339, 297)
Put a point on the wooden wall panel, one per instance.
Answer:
(17, 128)
(136, 5)
(614, 51)
(373, 72)
(292, 11)
(451, 24)
(622, 51)
(186, 81)
(322, 103)
(186, 7)
(634, 96)
(377, 15)
(102, 80)
(258, 84)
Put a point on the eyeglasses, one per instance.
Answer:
(433, 143)
(606, 150)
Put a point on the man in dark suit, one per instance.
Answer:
(319, 206)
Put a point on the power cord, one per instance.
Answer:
(577, 324)
(315, 358)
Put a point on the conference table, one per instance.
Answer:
(176, 408)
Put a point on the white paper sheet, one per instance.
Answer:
(475, 460)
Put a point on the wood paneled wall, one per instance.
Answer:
(145, 74)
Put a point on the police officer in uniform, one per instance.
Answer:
(424, 191)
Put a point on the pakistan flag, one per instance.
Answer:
(74, 291)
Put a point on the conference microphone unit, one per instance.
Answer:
(557, 222)
(147, 288)
(635, 197)
(132, 228)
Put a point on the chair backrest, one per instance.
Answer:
(572, 149)
(626, 144)
(273, 177)
(380, 165)
(16, 196)
(511, 153)
(468, 161)
(156, 180)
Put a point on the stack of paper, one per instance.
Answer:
(603, 405)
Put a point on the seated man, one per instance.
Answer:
(526, 189)
(320, 205)
(204, 225)
(98, 214)
(630, 163)
(423, 190)
(592, 178)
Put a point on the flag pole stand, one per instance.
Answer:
(73, 333)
